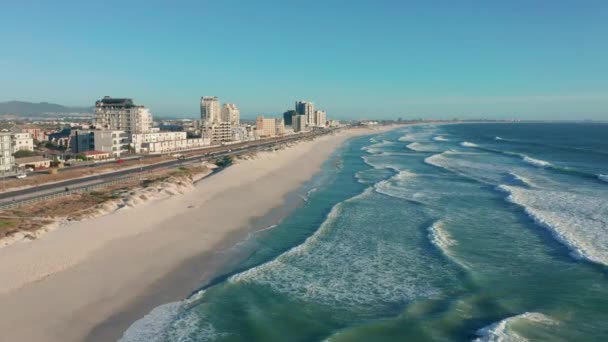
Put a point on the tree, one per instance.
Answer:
(23, 153)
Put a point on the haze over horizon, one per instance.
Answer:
(357, 59)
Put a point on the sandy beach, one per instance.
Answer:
(90, 280)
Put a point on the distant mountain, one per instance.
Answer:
(42, 109)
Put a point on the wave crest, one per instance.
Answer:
(502, 331)
(535, 162)
(468, 144)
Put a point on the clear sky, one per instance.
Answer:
(357, 59)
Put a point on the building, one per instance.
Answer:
(140, 142)
(163, 142)
(279, 127)
(121, 114)
(6, 152)
(241, 133)
(320, 118)
(288, 116)
(22, 142)
(175, 145)
(221, 132)
(96, 155)
(307, 109)
(210, 110)
(230, 113)
(35, 162)
(299, 123)
(82, 141)
(112, 141)
(265, 127)
(36, 133)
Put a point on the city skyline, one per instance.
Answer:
(431, 60)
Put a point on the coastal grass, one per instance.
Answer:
(78, 206)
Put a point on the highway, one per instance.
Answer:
(30, 193)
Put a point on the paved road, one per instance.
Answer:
(208, 154)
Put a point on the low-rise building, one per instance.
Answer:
(140, 142)
(164, 142)
(96, 155)
(35, 162)
(175, 145)
(113, 142)
(22, 142)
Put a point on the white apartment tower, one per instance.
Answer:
(230, 113)
(210, 110)
(6, 152)
(307, 109)
(299, 123)
(123, 115)
(320, 118)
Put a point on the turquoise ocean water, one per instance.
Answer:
(487, 232)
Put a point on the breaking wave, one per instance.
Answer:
(502, 331)
(603, 178)
(579, 221)
(418, 147)
(468, 144)
(535, 162)
(440, 138)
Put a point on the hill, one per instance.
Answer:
(42, 109)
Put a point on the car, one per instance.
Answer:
(21, 176)
(29, 169)
(120, 161)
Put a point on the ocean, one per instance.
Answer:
(463, 232)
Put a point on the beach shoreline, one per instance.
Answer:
(153, 254)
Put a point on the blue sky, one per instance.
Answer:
(357, 59)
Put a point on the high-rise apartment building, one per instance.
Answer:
(287, 117)
(210, 110)
(123, 115)
(230, 113)
(320, 118)
(279, 126)
(299, 123)
(265, 127)
(307, 109)
(6, 152)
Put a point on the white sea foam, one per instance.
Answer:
(578, 220)
(440, 237)
(468, 144)
(502, 331)
(440, 138)
(603, 178)
(523, 180)
(173, 322)
(395, 186)
(535, 162)
(345, 267)
(408, 137)
(498, 138)
(418, 147)
(153, 326)
(377, 147)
